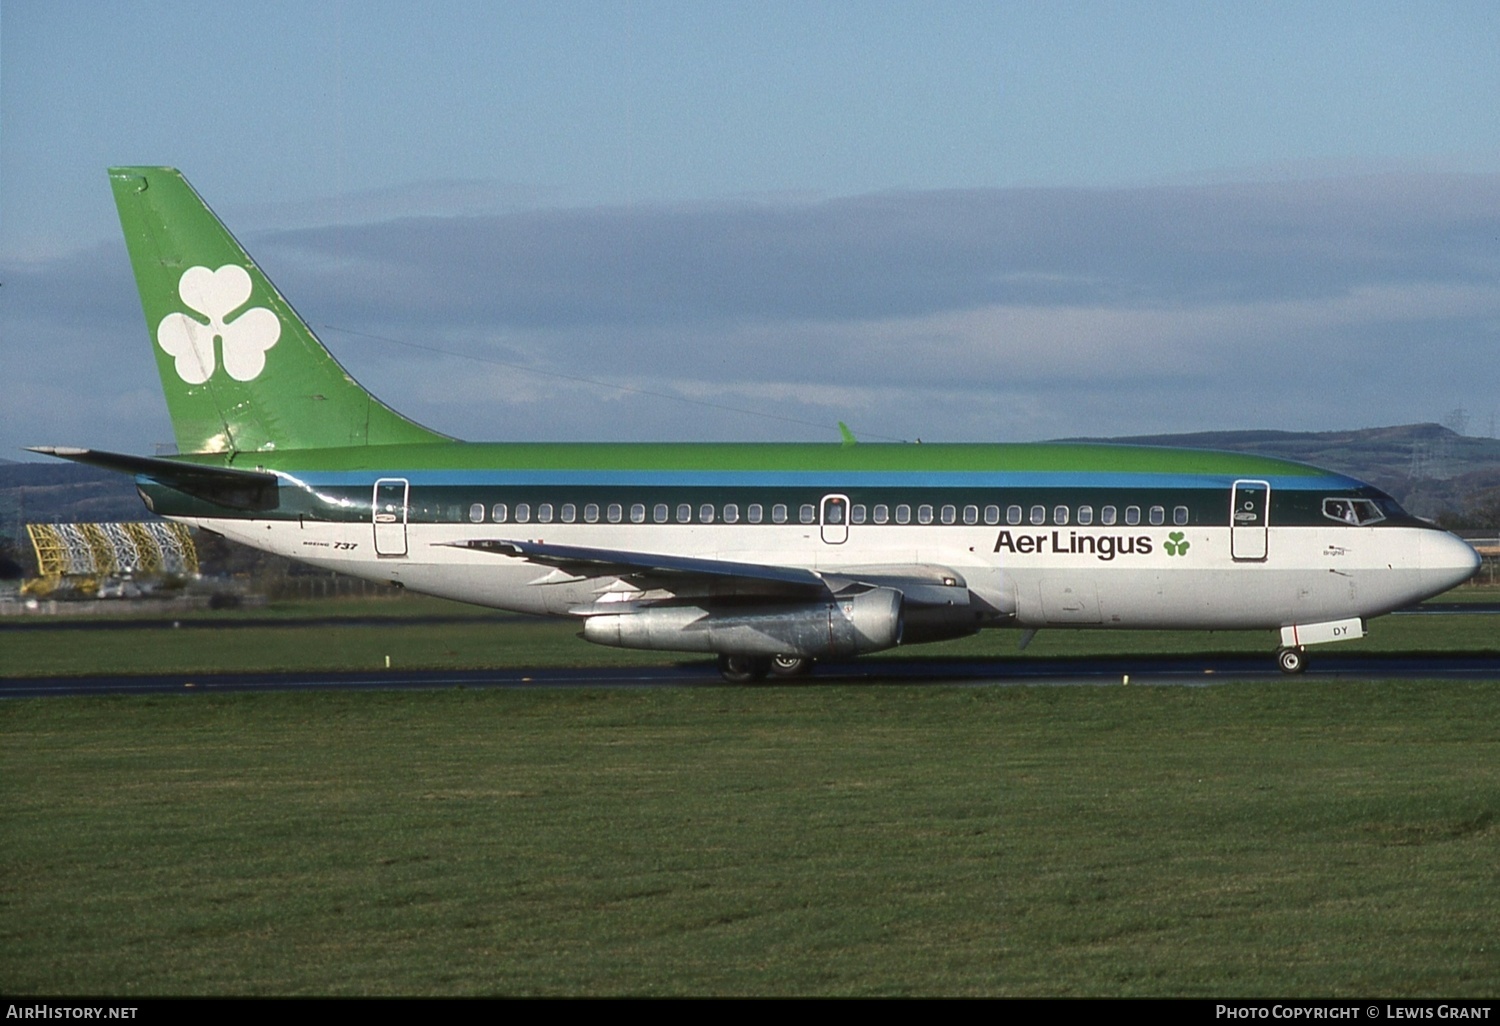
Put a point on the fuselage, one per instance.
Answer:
(1040, 535)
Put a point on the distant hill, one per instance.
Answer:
(1426, 467)
(64, 493)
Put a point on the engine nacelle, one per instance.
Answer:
(867, 622)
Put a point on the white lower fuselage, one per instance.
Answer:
(1308, 574)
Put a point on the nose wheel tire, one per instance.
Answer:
(1291, 660)
(740, 669)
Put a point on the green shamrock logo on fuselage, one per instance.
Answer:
(1176, 545)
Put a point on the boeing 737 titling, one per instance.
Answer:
(769, 556)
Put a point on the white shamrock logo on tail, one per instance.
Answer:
(216, 295)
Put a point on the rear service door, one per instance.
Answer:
(389, 510)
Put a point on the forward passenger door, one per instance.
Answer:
(1249, 520)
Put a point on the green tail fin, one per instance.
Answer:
(242, 372)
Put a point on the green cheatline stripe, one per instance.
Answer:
(975, 458)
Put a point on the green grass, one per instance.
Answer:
(1294, 838)
(1470, 593)
(1259, 839)
(161, 648)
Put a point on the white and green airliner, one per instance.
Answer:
(770, 556)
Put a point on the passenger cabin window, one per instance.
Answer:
(1013, 515)
(948, 514)
(903, 514)
(1039, 514)
(924, 514)
(971, 514)
(731, 513)
(1179, 515)
(808, 513)
(638, 513)
(992, 514)
(1059, 514)
(569, 513)
(857, 515)
(523, 512)
(1107, 516)
(591, 513)
(1132, 515)
(615, 513)
(498, 513)
(544, 513)
(1085, 515)
(778, 513)
(684, 513)
(1352, 511)
(476, 513)
(1158, 516)
(882, 514)
(754, 514)
(659, 513)
(706, 514)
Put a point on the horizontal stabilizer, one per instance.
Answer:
(223, 486)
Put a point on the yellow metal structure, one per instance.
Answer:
(83, 555)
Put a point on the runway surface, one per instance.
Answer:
(1113, 671)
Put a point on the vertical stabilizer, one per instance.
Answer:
(241, 370)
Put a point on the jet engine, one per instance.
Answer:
(844, 626)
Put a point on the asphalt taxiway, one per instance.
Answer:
(1182, 671)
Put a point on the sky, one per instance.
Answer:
(750, 221)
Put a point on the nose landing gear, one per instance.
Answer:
(1291, 660)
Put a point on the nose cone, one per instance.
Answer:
(1447, 561)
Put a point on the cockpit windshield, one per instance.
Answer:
(1359, 512)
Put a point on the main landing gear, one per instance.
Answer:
(743, 669)
(1291, 660)
(790, 666)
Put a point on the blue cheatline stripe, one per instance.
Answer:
(817, 480)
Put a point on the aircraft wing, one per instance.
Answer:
(622, 563)
(921, 584)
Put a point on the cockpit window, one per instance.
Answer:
(1353, 511)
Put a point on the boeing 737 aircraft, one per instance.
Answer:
(770, 556)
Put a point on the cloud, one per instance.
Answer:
(978, 314)
(907, 254)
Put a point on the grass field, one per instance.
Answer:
(1299, 837)
(1253, 839)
